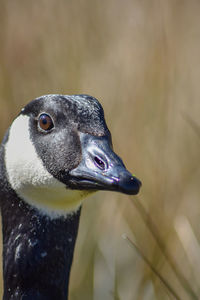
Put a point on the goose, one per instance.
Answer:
(57, 151)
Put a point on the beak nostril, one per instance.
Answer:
(99, 163)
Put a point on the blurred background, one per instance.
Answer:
(141, 59)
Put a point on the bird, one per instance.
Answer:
(56, 153)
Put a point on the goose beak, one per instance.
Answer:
(101, 169)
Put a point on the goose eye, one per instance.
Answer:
(45, 122)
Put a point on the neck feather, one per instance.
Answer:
(37, 251)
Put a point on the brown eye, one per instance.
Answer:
(45, 122)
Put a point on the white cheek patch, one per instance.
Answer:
(31, 180)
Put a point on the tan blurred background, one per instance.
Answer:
(141, 59)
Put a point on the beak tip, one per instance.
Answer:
(129, 185)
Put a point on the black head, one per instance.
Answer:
(63, 141)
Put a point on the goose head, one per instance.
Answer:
(59, 150)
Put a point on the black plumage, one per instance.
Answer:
(38, 248)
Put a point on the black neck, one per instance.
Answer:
(37, 252)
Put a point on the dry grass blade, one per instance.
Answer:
(155, 233)
(192, 123)
(165, 283)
